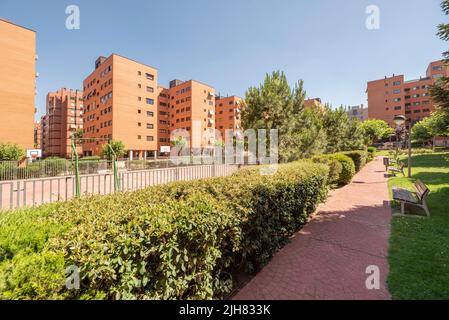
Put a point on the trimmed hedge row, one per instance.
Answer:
(342, 168)
(177, 241)
(359, 158)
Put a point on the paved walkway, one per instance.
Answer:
(328, 258)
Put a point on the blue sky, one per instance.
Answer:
(232, 44)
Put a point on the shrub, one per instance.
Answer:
(10, 152)
(177, 241)
(359, 158)
(348, 167)
(335, 168)
(371, 153)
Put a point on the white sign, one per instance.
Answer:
(165, 149)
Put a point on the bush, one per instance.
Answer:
(359, 158)
(371, 153)
(348, 167)
(335, 168)
(177, 241)
(10, 152)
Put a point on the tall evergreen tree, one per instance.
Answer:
(440, 91)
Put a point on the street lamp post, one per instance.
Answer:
(401, 120)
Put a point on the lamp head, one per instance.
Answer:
(399, 120)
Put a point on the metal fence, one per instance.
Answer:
(58, 167)
(35, 192)
(13, 170)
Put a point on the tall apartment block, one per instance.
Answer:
(393, 96)
(17, 84)
(192, 108)
(63, 117)
(163, 126)
(228, 114)
(120, 103)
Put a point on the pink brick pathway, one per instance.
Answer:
(328, 258)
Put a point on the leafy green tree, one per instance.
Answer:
(10, 152)
(440, 91)
(375, 130)
(420, 133)
(78, 135)
(116, 145)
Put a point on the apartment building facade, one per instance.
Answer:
(358, 112)
(37, 135)
(394, 95)
(63, 117)
(314, 103)
(192, 111)
(17, 84)
(163, 126)
(228, 114)
(121, 103)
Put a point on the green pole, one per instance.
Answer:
(114, 166)
(77, 175)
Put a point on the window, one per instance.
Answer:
(139, 73)
(139, 98)
(397, 99)
(139, 137)
(150, 114)
(139, 111)
(397, 108)
(397, 83)
(437, 76)
(149, 76)
(436, 68)
(150, 138)
(139, 124)
(139, 85)
(150, 89)
(397, 91)
(150, 101)
(150, 126)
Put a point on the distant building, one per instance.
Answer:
(314, 103)
(393, 96)
(358, 112)
(228, 114)
(121, 103)
(17, 84)
(63, 117)
(37, 135)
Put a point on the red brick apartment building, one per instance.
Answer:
(37, 135)
(121, 103)
(190, 106)
(17, 84)
(63, 117)
(393, 96)
(228, 114)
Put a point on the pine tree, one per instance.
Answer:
(440, 91)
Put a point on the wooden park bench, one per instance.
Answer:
(399, 168)
(417, 198)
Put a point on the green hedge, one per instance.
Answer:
(348, 167)
(359, 158)
(177, 241)
(335, 168)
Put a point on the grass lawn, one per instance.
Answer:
(419, 248)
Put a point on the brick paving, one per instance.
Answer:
(328, 258)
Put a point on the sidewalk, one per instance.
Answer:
(328, 258)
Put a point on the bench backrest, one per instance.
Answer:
(421, 189)
(386, 162)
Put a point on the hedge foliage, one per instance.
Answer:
(371, 153)
(359, 157)
(178, 241)
(335, 168)
(345, 174)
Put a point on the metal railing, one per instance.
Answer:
(13, 170)
(35, 192)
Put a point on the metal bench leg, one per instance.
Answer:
(403, 208)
